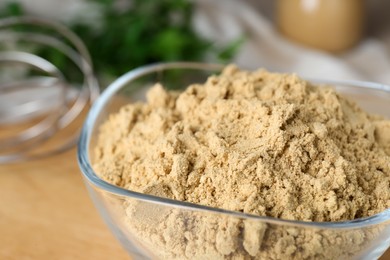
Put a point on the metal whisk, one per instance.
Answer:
(40, 105)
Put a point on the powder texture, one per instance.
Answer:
(256, 142)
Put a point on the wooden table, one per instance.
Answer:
(46, 213)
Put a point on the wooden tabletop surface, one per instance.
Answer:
(46, 213)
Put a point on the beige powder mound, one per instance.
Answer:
(255, 142)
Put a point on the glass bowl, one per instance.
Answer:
(151, 227)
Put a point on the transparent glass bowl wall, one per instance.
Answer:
(158, 228)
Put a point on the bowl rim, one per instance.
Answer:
(93, 179)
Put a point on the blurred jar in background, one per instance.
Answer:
(330, 25)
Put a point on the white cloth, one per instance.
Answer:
(225, 20)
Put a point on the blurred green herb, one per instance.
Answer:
(11, 9)
(148, 31)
